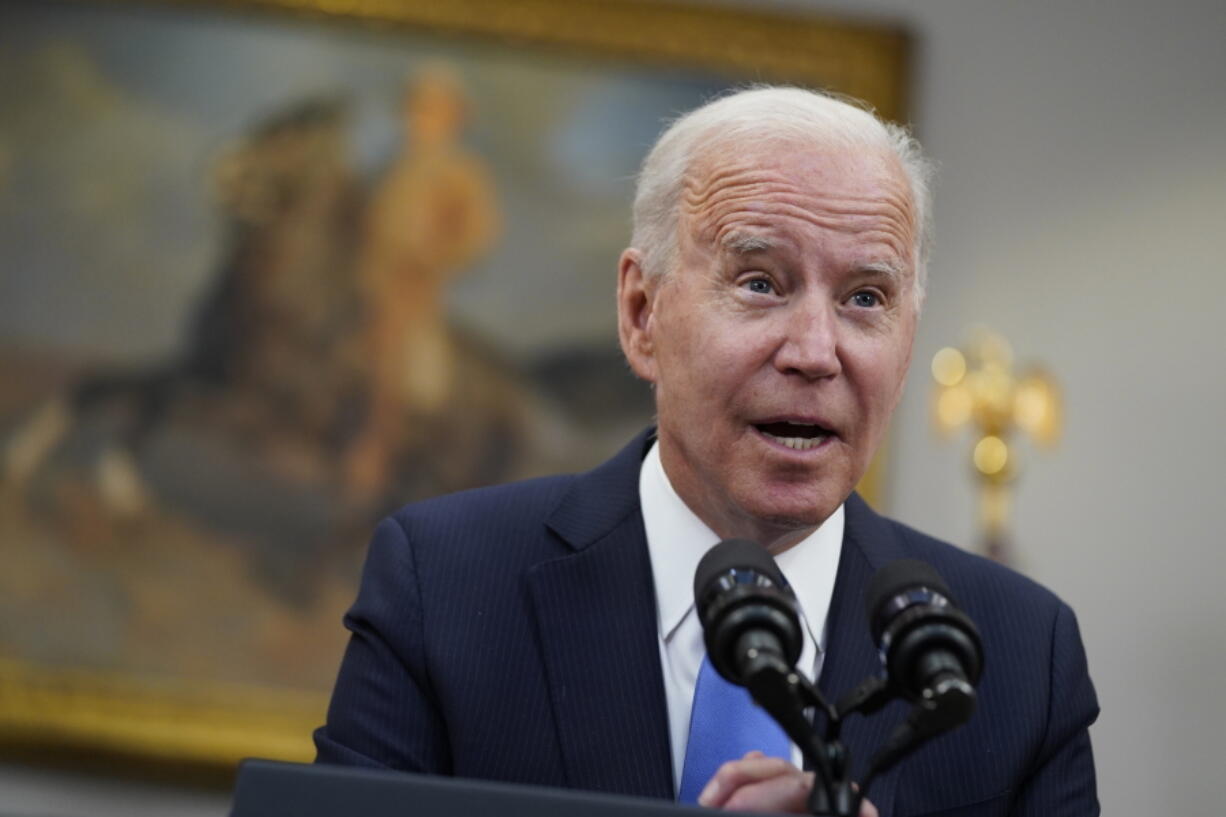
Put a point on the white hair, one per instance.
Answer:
(766, 112)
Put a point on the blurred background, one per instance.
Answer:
(198, 204)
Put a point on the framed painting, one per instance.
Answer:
(273, 268)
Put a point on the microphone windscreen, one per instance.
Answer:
(733, 554)
(898, 577)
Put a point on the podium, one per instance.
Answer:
(271, 789)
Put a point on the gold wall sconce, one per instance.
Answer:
(976, 386)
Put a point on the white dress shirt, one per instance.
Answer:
(676, 540)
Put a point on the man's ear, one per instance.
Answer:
(635, 304)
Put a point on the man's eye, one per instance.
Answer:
(759, 286)
(866, 299)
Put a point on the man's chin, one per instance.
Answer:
(780, 526)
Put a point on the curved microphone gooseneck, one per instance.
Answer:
(931, 654)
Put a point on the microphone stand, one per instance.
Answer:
(787, 696)
(752, 632)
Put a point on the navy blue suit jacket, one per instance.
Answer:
(510, 633)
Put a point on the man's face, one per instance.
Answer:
(779, 344)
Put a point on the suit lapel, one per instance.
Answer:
(596, 621)
(851, 656)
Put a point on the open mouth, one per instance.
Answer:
(797, 436)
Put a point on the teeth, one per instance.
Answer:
(798, 443)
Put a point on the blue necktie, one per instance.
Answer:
(725, 723)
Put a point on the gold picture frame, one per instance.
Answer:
(861, 60)
(213, 724)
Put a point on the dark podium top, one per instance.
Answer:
(270, 789)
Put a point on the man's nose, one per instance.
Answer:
(810, 346)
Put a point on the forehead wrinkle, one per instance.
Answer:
(723, 188)
(723, 224)
(794, 200)
(699, 187)
(713, 193)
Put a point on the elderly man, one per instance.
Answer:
(545, 632)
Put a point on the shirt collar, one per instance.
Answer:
(677, 540)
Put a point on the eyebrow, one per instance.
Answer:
(884, 268)
(744, 244)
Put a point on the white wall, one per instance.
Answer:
(1081, 210)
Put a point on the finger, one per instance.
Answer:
(783, 793)
(734, 774)
(867, 809)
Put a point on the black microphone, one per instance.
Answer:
(931, 650)
(748, 612)
(751, 627)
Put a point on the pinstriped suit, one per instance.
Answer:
(509, 633)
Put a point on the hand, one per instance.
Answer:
(760, 783)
